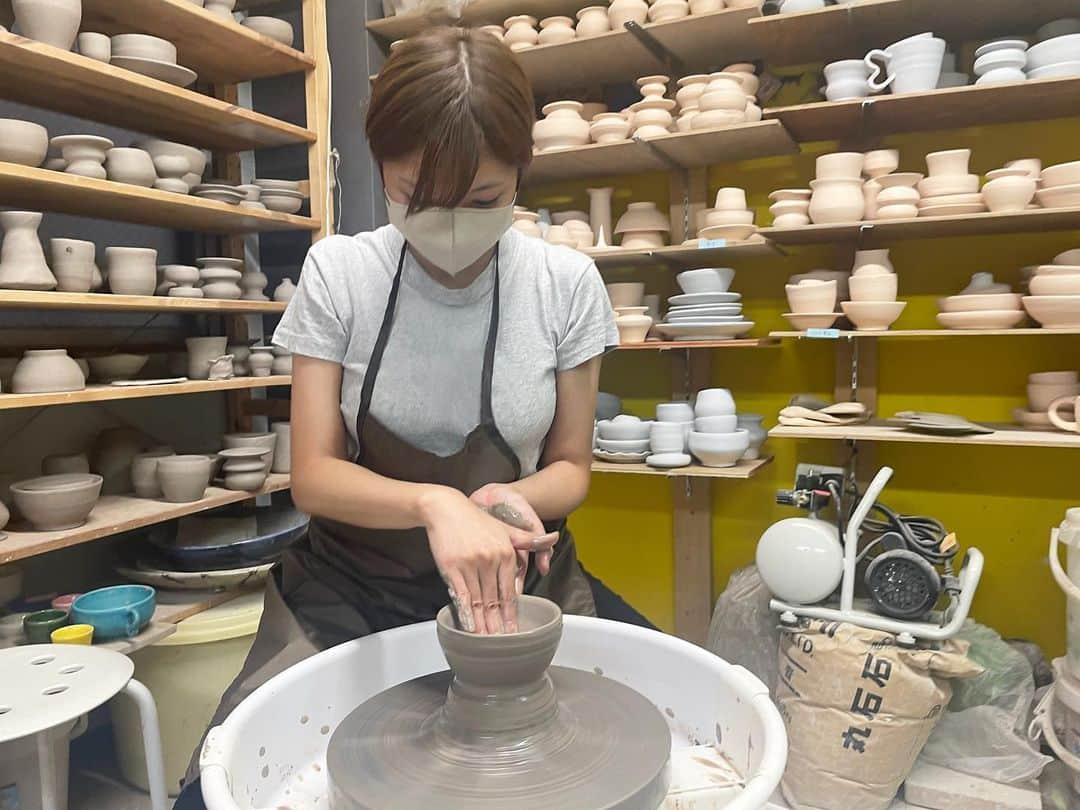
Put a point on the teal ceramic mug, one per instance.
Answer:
(39, 625)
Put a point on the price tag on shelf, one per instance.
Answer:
(823, 334)
(708, 244)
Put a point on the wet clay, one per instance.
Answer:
(502, 729)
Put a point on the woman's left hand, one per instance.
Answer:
(492, 495)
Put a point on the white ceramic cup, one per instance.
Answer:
(679, 412)
(667, 437)
(714, 402)
(731, 199)
(912, 65)
(716, 424)
(1056, 418)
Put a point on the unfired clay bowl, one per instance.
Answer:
(23, 142)
(719, 449)
(877, 287)
(1054, 311)
(706, 279)
(626, 294)
(873, 316)
(184, 479)
(144, 46)
(1055, 284)
(811, 296)
(282, 202)
(144, 475)
(272, 27)
(264, 441)
(511, 658)
(109, 367)
(57, 502)
(975, 302)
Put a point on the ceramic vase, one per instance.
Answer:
(132, 166)
(201, 352)
(609, 128)
(521, 32)
(592, 20)
(253, 284)
(260, 361)
(620, 12)
(690, 90)
(839, 200)
(282, 363)
(73, 264)
(561, 127)
(752, 424)
(85, 154)
(22, 260)
(652, 117)
(54, 22)
(600, 209)
(284, 291)
(554, 30)
(42, 371)
(131, 271)
(283, 447)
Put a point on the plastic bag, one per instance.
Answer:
(983, 733)
(743, 630)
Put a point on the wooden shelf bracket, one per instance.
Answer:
(671, 61)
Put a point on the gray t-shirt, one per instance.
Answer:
(554, 315)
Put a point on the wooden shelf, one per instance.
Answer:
(219, 50)
(106, 393)
(950, 108)
(929, 333)
(59, 192)
(1005, 435)
(883, 232)
(107, 302)
(174, 606)
(481, 12)
(151, 634)
(687, 150)
(701, 42)
(115, 514)
(672, 345)
(682, 257)
(744, 469)
(849, 31)
(43, 76)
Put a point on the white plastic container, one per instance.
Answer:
(1068, 534)
(187, 673)
(271, 751)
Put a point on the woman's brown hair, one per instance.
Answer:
(447, 94)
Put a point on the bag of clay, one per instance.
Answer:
(858, 710)
(743, 630)
(984, 731)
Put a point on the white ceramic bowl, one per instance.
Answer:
(1067, 196)
(1058, 70)
(946, 184)
(1003, 58)
(1062, 174)
(1068, 257)
(877, 287)
(717, 217)
(877, 162)
(706, 280)
(730, 233)
(1009, 193)
(616, 446)
(1055, 284)
(1054, 50)
(1054, 311)
(1005, 75)
(624, 427)
(998, 45)
(811, 320)
(23, 142)
(714, 402)
(272, 27)
(144, 46)
(679, 412)
(782, 194)
(811, 297)
(977, 302)
(1044, 377)
(873, 316)
(716, 424)
(839, 165)
(1058, 28)
(719, 449)
(981, 319)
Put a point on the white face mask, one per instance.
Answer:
(451, 238)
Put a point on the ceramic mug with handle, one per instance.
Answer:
(1056, 418)
(912, 65)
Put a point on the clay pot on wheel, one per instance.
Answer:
(54, 22)
(22, 260)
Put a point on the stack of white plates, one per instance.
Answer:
(1056, 57)
(705, 316)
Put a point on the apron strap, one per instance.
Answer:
(487, 412)
(375, 362)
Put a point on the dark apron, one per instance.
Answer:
(341, 582)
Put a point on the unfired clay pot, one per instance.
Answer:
(620, 12)
(54, 22)
(184, 479)
(112, 455)
(284, 291)
(752, 424)
(609, 128)
(592, 20)
(46, 371)
(22, 261)
(282, 461)
(561, 127)
(253, 283)
(131, 271)
(526, 223)
(95, 46)
(263, 441)
(170, 171)
(23, 142)
(690, 89)
(57, 502)
(521, 32)
(85, 154)
(282, 362)
(201, 352)
(554, 30)
(73, 264)
(260, 361)
(837, 200)
(240, 353)
(132, 166)
(144, 476)
(642, 216)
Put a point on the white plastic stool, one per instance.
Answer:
(43, 686)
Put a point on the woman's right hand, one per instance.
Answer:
(477, 557)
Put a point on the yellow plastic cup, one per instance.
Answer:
(73, 634)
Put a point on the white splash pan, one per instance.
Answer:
(729, 742)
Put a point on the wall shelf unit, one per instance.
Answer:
(1003, 436)
(901, 334)
(742, 470)
(677, 345)
(108, 302)
(111, 393)
(683, 257)
(41, 75)
(115, 514)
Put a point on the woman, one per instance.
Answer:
(444, 376)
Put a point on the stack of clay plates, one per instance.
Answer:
(943, 424)
(704, 316)
(220, 191)
(281, 195)
(150, 56)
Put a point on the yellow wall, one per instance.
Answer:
(1002, 500)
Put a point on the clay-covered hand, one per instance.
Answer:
(476, 555)
(510, 506)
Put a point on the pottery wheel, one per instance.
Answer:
(606, 747)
